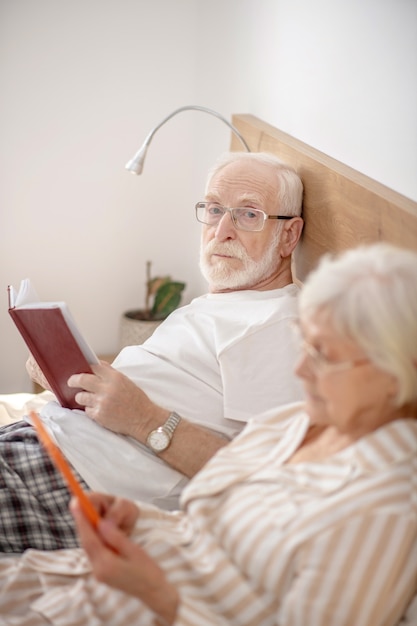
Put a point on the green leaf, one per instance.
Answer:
(157, 283)
(167, 298)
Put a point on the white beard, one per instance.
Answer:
(221, 275)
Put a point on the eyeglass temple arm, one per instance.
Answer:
(280, 217)
(135, 164)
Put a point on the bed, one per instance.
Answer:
(342, 208)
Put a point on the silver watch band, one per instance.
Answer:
(171, 423)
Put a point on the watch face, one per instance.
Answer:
(158, 440)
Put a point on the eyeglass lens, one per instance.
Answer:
(244, 218)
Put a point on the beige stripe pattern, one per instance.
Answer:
(258, 542)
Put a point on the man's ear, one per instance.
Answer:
(291, 234)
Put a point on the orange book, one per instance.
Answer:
(61, 463)
(53, 339)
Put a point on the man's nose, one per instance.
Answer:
(225, 228)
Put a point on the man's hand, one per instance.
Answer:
(119, 562)
(115, 402)
(35, 373)
(111, 399)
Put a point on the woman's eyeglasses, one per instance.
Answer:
(319, 361)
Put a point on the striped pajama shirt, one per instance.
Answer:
(258, 542)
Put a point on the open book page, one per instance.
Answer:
(25, 295)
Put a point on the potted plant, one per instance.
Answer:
(163, 295)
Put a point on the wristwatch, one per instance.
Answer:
(158, 440)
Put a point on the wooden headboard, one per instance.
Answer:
(342, 208)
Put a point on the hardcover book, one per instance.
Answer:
(53, 339)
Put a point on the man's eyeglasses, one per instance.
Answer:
(244, 218)
(321, 363)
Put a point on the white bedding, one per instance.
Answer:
(14, 406)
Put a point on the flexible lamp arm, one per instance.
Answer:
(135, 165)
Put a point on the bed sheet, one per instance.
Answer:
(14, 406)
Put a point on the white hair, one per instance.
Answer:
(289, 188)
(371, 295)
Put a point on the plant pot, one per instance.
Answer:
(134, 330)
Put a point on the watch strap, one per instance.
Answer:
(171, 423)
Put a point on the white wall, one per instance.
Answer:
(84, 81)
(337, 74)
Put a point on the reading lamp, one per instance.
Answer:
(135, 165)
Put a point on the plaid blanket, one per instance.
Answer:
(33, 496)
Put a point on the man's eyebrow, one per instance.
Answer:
(244, 199)
(250, 199)
(212, 197)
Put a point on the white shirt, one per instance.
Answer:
(217, 362)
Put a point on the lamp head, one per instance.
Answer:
(135, 165)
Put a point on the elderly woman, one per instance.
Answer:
(307, 517)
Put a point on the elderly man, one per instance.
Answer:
(167, 406)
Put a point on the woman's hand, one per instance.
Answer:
(111, 399)
(119, 562)
(122, 513)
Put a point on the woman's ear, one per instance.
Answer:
(291, 234)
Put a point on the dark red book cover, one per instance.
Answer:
(53, 345)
